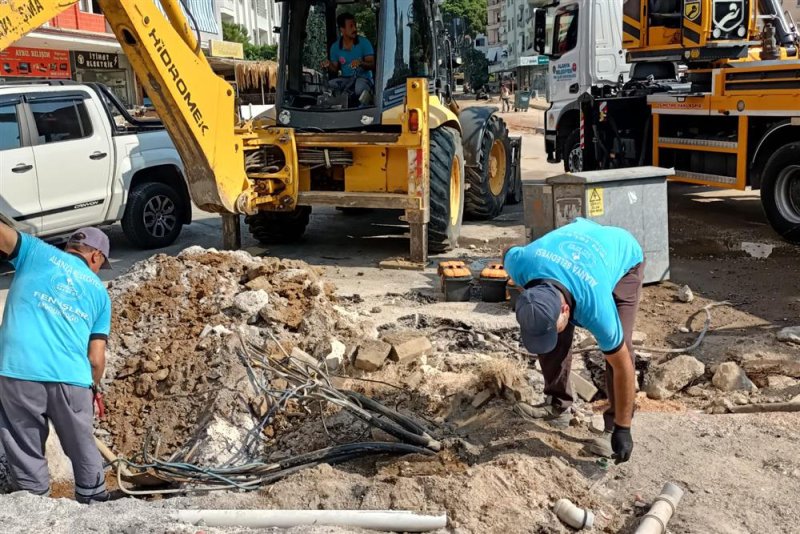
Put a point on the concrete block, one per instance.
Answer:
(482, 398)
(371, 355)
(407, 346)
(303, 356)
(584, 388)
(335, 357)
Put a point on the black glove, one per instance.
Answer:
(621, 444)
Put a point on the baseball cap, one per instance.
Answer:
(538, 309)
(95, 238)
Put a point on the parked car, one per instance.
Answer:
(72, 156)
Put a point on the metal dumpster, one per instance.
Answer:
(522, 100)
(634, 199)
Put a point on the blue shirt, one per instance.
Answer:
(588, 259)
(55, 305)
(343, 58)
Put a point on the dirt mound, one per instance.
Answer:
(178, 322)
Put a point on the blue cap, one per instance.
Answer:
(538, 309)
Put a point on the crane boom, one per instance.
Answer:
(195, 104)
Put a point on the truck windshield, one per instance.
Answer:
(565, 34)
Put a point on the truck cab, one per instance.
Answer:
(583, 39)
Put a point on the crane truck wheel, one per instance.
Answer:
(446, 189)
(573, 155)
(780, 191)
(273, 228)
(489, 181)
(154, 215)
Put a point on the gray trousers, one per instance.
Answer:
(25, 409)
(361, 84)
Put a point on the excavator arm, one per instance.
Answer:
(195, 105)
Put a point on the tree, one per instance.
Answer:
(238, 34)
(473, 12)
(476, 67)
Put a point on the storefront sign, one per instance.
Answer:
(34, 63)
(532, 61)
(226, 49)
(96, 60)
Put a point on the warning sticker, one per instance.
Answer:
(595, 196)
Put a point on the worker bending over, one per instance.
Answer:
(53, 336)
(353, 56)
(589, 275)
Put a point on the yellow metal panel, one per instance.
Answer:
(439, 114)
(656, 135)
(741, 157)
(631, 32)
(397, 171)
(18, 17)
(368, 172)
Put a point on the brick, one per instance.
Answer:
(482, 398)
(584, 388)
(371, 355)
(407, 346)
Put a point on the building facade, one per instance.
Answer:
(520, 65)
(78, 45)
(259, 18)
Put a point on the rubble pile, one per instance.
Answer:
(178, 323)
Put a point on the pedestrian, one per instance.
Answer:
(589, 275)
(505, 97)
(52, 357)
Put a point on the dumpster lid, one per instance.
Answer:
(611, 175)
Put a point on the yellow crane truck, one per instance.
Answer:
(404, 145)
(731, 120)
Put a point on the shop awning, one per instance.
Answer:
(203, 13)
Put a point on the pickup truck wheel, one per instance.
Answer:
(780, 191)
(271, 228)
(489, 181)
(154, 215)
(573, 155)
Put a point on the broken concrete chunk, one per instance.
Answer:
(251, 302)
(371, 354)
(790, 334)
(685, 294)
(148, 366)
(261, 282)
(161, 375)
(731, 377)
(666, 379)
(781, 382)
(335, 357)
(638, 338)
(482, 398)
(407, 346)
(757, 250)
(583, 387)
(304, 357)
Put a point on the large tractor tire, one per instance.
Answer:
(780, 191)
(273, 228)
(489, 180)
(446, 189)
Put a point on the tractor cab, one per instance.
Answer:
(334, 78)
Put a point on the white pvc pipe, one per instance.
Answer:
(655, 521)
(390, 520)
(573, 516)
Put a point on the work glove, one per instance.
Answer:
(621, 444)
(97, 402)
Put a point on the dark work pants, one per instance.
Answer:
(25, 409)
(557, 364)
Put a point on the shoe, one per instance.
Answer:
(601, 445)
(552, 415)
(94, 499)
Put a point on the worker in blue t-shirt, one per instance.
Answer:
(351, 55)
(53, 337)
(589, 275)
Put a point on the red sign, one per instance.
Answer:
(34, 63)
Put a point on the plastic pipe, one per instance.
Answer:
(663, 508)
(390, 520)
(573, 516)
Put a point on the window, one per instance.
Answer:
(566, 31)
(410, 40)
(9, 127)
(61, 120)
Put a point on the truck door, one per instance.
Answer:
(73, 158)
(564, 84)
(19, 189)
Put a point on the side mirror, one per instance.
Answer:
(540, 31)
(276, 29)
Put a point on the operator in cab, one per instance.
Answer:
(589, 275)
(351, 58)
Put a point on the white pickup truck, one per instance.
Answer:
(72, 156)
